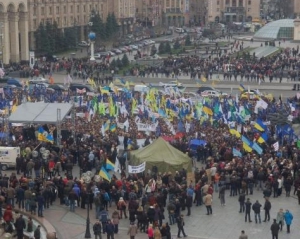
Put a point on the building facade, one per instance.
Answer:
(124, 11)
(232, 10)
(198, 12)
(14, 31)
(176, 12)
(66, 13)
(149, 12)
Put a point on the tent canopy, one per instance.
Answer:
(162, 155)
(40, 112)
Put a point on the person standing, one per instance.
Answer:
(20, 225)
(248, 210)
(97, 230)
(110, 230)
(256, 208)
(222, 190)
(242, 198)
(274, 230)
(208, 203)
(37, 232)
(280, 218)
(30, 227)
(132, 230)
(288, 217)
(180, 225)
(267, 208)
(243, 235)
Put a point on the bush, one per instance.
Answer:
(188, 40)
(125, 60)
(167, 47)
(162, 48)
(176, 45)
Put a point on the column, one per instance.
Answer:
(13, 18)
(23, 26)
(5, 40)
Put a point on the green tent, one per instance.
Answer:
(162, 155)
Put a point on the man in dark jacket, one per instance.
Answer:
(20, 225)
(110, 229)
(20, 195)
(37, 232)
(267, 208)
(97, 230)
(256, 208)
(248, 210)
(242, 199)
(275, 229)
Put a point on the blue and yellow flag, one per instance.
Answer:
(259, 125)
(263, 138)
(113, 128)
(44, 136)
(104, 174)
(109, 165)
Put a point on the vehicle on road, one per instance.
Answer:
(213, 93)
(57, 87)
(74, 87)
(250, 95)
(15, 82)
(204, 88)
(83, 43)
(172, 84)
(38, 79)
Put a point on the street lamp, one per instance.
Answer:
(86, 178)
(92, 38)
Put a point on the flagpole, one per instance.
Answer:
(37, 146)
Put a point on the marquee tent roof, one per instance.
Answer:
(162, 155)
(39, 112)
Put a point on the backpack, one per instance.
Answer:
(106, 197)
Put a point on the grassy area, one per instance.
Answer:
(223, 43)
(275, 53)
(240, 53)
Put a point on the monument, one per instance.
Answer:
(92, 38)
(297, 29)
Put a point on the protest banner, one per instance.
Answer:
(137, 169)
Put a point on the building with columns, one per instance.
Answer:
(66, 13)
(149, 12)
(176, 12)
(14, 30)
(232, 10)
(198, 12)
(124, 11)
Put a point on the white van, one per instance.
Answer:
(141, 88)
(179, 30)
(8, 157)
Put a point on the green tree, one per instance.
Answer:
(111, 25)
(176, 45)
(58, 38)
(162, 48)
(98, 26)
(153, 50)
(188, 40)
(42, 40)
(119, 63)
(125, 60)
(113, 64)
(167, 47)
(70, 37)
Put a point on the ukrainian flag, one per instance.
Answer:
(104, 174)
(207, 110)
(113, 128)
(109, 165)
(242, 88)
(263, 138)
(235, 132)
(259, 125)
(44, 136)
(247, 148)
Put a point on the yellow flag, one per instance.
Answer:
(247, 148)
(203, 79)
(207, 110)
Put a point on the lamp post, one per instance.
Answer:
(86, 177)
(92, 38)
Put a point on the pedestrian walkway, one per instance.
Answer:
(225, 222)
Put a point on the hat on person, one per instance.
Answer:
(121, 199)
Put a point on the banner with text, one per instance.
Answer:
(137, 169)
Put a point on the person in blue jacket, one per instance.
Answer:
(288, 217)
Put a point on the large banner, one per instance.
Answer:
(146, 127)
(137, 169)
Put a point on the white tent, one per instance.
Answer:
(40, 113)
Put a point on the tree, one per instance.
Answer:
(113, 64)
(176, 45)
(119, 63)
(98, 26)
(188, 40)
(42, 40)
(167, 47)
(125, 60)
(153, 50)
(111, 25)
(161, 48)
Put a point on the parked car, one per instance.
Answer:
(15, 82)
(57, 87)
(83, 43)
(134, 47)
(116, 51)
(74, 86)
(38, 79)
(111, 53)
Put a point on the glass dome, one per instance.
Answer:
(280, 29)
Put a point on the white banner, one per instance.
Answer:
(137, 169)
(146, 127)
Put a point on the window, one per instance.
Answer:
(65, 9)
(34, 11)
(241, 3)
(218, 2)
(65, 21)
(78, 9)
(57, 10)
(218, 9)
(50, 10)
(42, 10)
(249, 2)
(71, 11)
(58, 21)
(34, 23)
(91, 7)
(83, 8)
(227, 2)
(234, 3)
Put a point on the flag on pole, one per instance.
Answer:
(109, 165)
(117, 168)
(104, 174)
(276, 146)
(236, 153)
